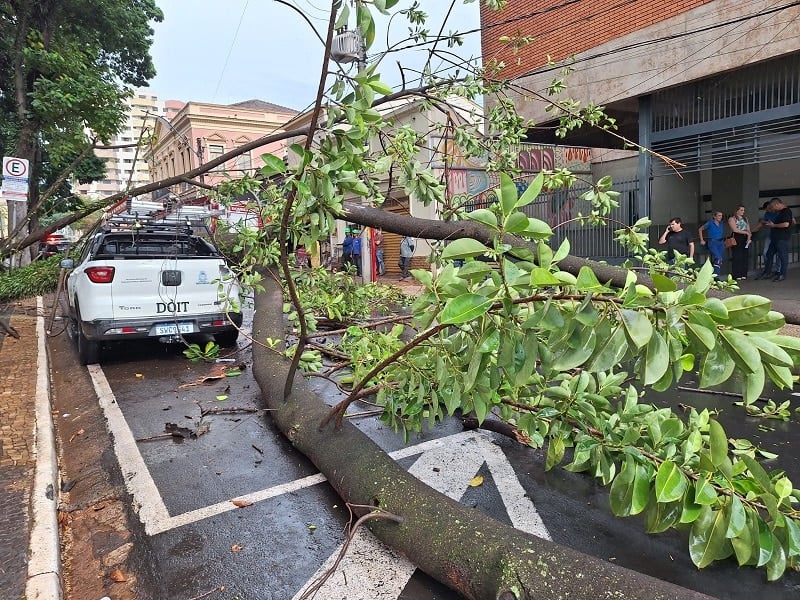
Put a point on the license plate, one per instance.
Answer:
(174, 328)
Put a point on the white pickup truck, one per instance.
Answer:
(150, 281)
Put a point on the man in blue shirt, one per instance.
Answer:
(716, 246)
(357, 252)
(780, 235)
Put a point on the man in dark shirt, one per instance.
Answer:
(780, 235)
(677, 239)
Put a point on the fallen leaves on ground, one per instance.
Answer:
(241, 503)
(118, 576)
(215, 373)
(476, 481)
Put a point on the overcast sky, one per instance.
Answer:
(226, 52)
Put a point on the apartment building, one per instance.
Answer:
(713, 85)
(126, 166)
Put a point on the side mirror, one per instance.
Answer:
(67, 263)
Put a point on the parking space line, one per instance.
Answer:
(452, 481)
(146, 497)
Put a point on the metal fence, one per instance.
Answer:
(561, 210)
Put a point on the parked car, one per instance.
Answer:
(53, 244)
(142, 280)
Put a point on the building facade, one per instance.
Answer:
(200, 132)
(712, 85)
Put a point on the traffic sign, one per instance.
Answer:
(15, 186)
(15, 167)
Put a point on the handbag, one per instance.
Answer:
(730, 242)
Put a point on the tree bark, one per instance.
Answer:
(464, 549)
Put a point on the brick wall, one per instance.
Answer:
(561, 28)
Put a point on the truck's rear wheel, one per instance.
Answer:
(88, 350)
(227, 339)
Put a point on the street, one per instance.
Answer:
(227, 508)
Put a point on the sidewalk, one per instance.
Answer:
(29, 542)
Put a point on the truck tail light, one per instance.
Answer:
(100, 274)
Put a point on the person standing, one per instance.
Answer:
(357, 252)
(740, 229)
(406, 252)
(779, 239)
(677, 239)
(769, 217)
(347, 249)
(377, 240)
(716, 246)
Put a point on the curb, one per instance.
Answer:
(44, 561)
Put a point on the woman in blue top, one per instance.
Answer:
(716, 247)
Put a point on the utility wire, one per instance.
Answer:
(233, 43)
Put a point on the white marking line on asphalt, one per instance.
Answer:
(456, 464)
(146, 499)
(449, 467)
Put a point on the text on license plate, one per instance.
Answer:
(173, 328)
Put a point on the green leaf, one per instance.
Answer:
(741, 349)
(485, 216)
(746, 309)
(663, 284)
(671, 483)
(532, 191)
(718, 442)
(555, 452)
(758, 472)
(637, 327)
(541, 277)
(766, 543)
(463, 248)
(776, 565)
(272, 165)
(704, 492)
(691, 510)
(563, 251)
(587, 280)
(745, 544)
(630, 490)
(702, 328)
(516, 222)
(662, 516)
(793, 534)
(507, 193)
(753, 384)
(463, 308)
(717, 367)
(656, 359)
(707, 537)
(538, 230)
(610, 350)
(771, 352)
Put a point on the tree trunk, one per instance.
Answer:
(464, 549)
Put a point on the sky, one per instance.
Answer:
(226, 52)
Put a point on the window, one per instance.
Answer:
(215, 151)
(244, 163)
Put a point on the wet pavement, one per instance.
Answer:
(260, 462)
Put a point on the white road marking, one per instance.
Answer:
(449, 467)
(447, 464)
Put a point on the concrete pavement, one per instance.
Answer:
(29, 483)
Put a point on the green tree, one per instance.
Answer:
(549, 345)
(67, 67)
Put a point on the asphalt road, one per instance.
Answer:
(232, 511)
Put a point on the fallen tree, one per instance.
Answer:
(473, 554)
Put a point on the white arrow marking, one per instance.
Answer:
(447, 467)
